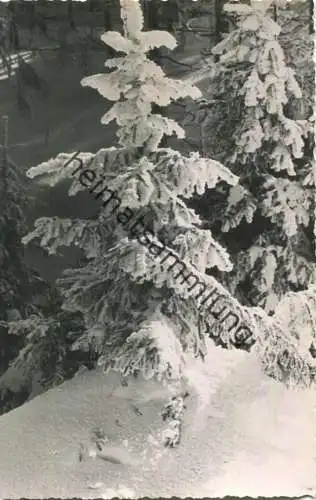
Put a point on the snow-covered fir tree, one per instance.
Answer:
(147, 300)
(43, 358)
(268, 216)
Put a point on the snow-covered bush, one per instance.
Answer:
(14, 275)
(45, 358)
(28, 354)
(140, 318)
(42, 350)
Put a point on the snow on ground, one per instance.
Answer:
(251, 437)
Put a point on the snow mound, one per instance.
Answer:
(243, 434)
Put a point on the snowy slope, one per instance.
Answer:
(251, 437)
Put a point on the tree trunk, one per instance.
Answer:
(108, 24)
(70, 14)
(222, 23)
(151, 17)
(218, 16)
(108, 18)
(3, 159)
(275, 13)
(14, 34)
(311, 17)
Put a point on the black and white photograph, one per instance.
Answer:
(157, 249)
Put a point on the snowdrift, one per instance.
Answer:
(244, 434)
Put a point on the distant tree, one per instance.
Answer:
(33, 93)
(70, 14)
(12, 222)
(298, 45)
(14, 276)
(220, 24)
(19, 286)
(13, 7)
(5, 44)
(311, 16)
(152, 18)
